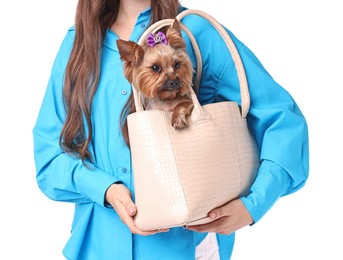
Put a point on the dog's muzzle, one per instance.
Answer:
(171, 85)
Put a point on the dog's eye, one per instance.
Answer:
(156, 68)
(177, 65)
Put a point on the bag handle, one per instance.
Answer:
(200, 112)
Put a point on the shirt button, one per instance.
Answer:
(124, 170)
(124, 92)
(143, 25)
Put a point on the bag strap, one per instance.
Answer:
(244, 90)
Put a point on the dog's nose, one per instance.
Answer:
(172, 84)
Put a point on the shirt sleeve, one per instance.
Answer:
(279, 128)
(61, 176)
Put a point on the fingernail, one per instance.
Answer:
(131, 211)
(213, 215)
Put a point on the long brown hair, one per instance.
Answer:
(92, 20)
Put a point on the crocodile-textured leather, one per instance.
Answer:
(181, 175)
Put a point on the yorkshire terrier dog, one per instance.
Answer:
(161, 71)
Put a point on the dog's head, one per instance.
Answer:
(161, 68)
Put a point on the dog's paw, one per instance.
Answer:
(179, 121)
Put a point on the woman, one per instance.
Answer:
(81, 156)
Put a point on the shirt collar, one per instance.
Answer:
(142, 22)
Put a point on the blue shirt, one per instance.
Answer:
(274, 118)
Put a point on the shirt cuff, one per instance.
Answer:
(94, 183)
(270, 184)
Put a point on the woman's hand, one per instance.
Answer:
(120, 199)
(227, 219)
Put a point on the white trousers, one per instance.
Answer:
(208, 248)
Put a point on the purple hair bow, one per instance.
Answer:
(157, 38)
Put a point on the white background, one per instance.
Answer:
(299, 43)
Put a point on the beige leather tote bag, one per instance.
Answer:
(179, 176)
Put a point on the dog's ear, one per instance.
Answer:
(130, 51)
(174, 36)
(176, 26)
